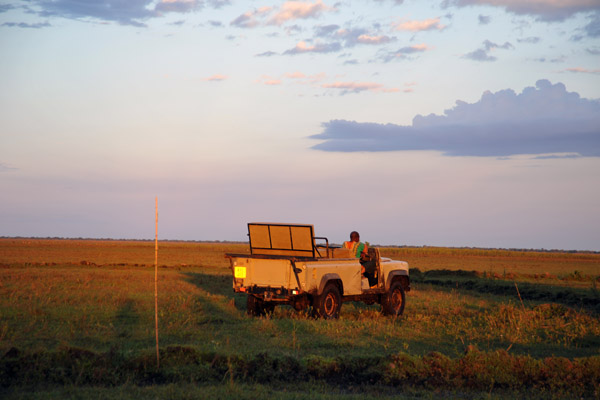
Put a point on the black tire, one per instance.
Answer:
(393, 302)
(267, 307)
(257, 307)
(329, 303)
(251, 305)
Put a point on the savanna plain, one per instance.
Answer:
(77, 321)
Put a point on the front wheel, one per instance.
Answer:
(394, 300)
(329, 303)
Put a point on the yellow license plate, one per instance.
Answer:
(239, 272)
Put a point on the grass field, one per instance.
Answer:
(77, 317)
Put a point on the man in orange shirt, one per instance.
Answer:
(355, 245)
(360, 250)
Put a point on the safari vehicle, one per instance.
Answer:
(288, 264)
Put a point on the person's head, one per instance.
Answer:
(354, 236)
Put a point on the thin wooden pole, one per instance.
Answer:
(156, 280)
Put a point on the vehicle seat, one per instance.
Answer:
(373, 253)
(342, 253)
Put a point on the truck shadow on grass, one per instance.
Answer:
(217, 299)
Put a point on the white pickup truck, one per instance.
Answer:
(288, 264)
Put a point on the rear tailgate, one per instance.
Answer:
(274, 273)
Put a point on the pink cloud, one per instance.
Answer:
(583, 70)
(295, 75)
(317, 77)
(291, 10)
(418, 26)
(303, 47)
(368, 39)
(268, 80)
(216, 78)
(420, 47)
(303, 79)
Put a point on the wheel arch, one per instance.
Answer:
(400, 275)
(331, 278)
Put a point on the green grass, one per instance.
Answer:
(57, 311)
(289, 391)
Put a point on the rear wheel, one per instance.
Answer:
(258, 307)
(329, 303)
(392, 303)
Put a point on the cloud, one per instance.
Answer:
(351, 36)
(404, 51)
(6, 7)
(6, 168)
(593, 28)
(491, 45)
(288, 11)
(545, 119)
(419, 26)
(181, 6)
(303, 47)
(483, 53)
(355, 36)
(531, 40)
(123, 12)
(557, 156)
(295, 75)
(215, 24)
(593, 50)
(479, 55)
(369, 39)
(545, 10)
(396, 2)
(301, 78)
(267, 54)
(269, 81)
(292, 30)
(580, 70)
(357, 87)
(216, 78)
(219, 3)
(325, 30)
(292, 10)
(558, 59)
(417, 48)
(26, 25)
(251, 19)
(484, 19)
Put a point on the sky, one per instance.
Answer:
(434, 122)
